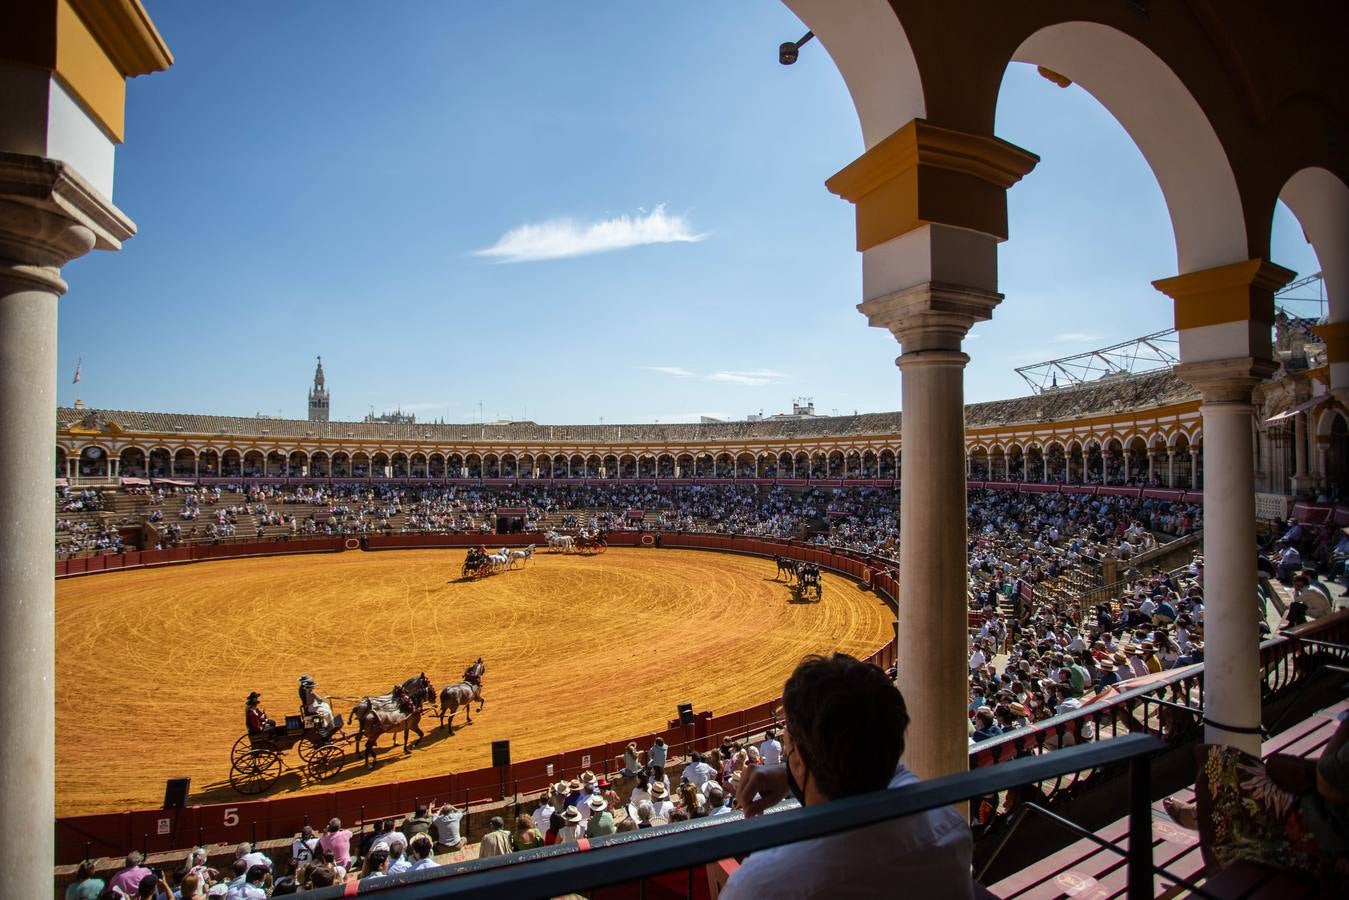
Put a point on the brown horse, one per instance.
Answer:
(453, 696)
(400, 708)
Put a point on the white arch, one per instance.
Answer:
(1167, 125)
(868, 45)
(1320, 201)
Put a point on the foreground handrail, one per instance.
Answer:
(552, 871)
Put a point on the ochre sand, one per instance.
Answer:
(153, 666)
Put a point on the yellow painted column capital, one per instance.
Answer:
(926, 174)
(1336, 336)
(1231, 293)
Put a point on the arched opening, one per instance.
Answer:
(416, 465)
(1167, 125)
(131, 461)
(1056, 463)
(1077, 468)
(609, 466)
(724, 467)
(435, 465)
(627, 466)
(665, 466)
(160, 462)
(1337, 455)
(360, 464)
(184, 463)
(646, 467)
(319, 466)
(1320, 201)
(978, 463)
(744, 465)
(231, 464)
(1016, 463)
(379, 465)
(491, 466)
(93, 462)
(1113, 454)
(298, 465)
(208, 463)
(1034, 470)
(684, 465)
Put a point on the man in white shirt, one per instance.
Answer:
(302, 848)
(977, 658)
(857, 750)
(544, 814)
(698, 772)
(771, 749)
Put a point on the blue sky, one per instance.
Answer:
(405, 194)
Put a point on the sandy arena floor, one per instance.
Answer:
(153, 667)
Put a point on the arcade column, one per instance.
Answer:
(931, 208)
(63, 72)
(1224, 316)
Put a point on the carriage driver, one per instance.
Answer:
(255, 718)
(311, 704)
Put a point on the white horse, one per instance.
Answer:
(564, 542)
(522, 556)
(501, 560)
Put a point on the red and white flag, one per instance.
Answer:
(77, 370)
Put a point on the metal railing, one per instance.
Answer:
(633, 856)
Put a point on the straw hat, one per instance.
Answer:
(1019, 709)
(573, 785)
(659, 791)
(588, 777)
(572, 815)
(597, 803)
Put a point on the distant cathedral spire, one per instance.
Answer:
(318, 396)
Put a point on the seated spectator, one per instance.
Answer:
(496, 842)
(128, 878)
(446, 827)
(1287, 812)
(845, 724)
(85, 886)
(421, 854)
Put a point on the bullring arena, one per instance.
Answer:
(579, 650)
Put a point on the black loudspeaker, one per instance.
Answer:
(686, 714)
(175, 792)
(501, 753)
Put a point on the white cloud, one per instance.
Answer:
(755, 378)
(1076, 337)
(562, 238)
(675, 371)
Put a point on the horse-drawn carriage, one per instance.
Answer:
(479, 563)
(808, 581)
(583, 542)
(256, 759)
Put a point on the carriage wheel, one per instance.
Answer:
(325, 762)
(245, 745)
(256, 771)
(601, 547)
(308, 745)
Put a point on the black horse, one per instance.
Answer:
(789, 567)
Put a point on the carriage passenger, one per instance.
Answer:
(313, 705)
(257, 721)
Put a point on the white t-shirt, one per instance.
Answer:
(927, 854)
(447, 827)
(771, 751)
(302, 851)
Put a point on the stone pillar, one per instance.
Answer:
(931, 206)
(48, 216)
(930, 322)
(1231, 636)
(1224, 318)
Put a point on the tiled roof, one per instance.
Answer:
(1110, 396)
